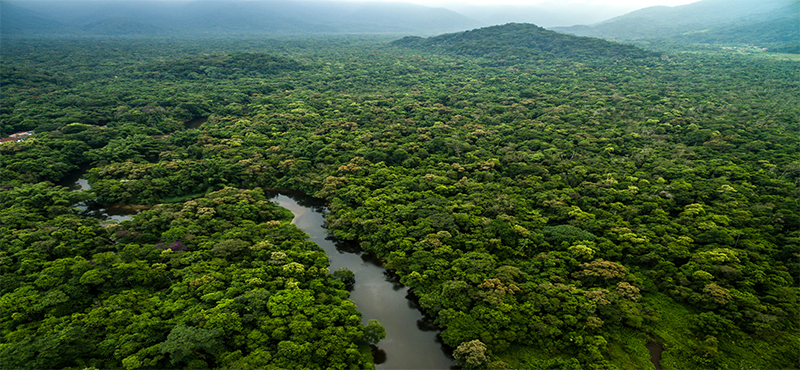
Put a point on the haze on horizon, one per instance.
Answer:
(551, 12)
(611, 3)
(633, 4)
(545, 13)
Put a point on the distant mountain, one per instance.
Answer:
(758, 22)
(546, 14)
(404, 18)
(515, 40)
(129, 17)
(779, 31)
(18, 20)
(119, 26)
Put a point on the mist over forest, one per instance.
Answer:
(768, 23)
(305, 16)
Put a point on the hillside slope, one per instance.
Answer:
(758, 22)
(522, 40)
(768, 33)
(227, 17)
(18, 20)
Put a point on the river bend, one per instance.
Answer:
(411, 339)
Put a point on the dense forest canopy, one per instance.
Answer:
(553, 210)
(524, 41)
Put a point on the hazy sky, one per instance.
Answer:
(612, 3)
(626, 3)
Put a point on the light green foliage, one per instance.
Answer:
(128, 298)
(374, 332)
(561, 211)
(472, 354)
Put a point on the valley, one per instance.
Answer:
(515, 198)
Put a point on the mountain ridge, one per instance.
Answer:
(202, 17)
(522, 40)
(749, 20)
(18, 20)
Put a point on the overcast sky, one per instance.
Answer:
(627, 3)
(553, 12)
(613, 3)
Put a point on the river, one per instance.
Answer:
(411, 341)
(112, 212)
(411, 338)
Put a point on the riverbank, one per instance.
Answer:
(412, 341)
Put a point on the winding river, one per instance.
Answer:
(411, 342)
(411, 339)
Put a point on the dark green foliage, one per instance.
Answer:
(233, 66)
(40, 158)
(517, 42)
(374, 332)
(345, 276)
(187, 343)
(565, 233)
(560, 212)
(219, 281)
(793, 48)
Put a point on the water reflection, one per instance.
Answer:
(426, 324)
(113, 212)
(79, 184)
(377, 292)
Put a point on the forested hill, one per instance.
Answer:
(779, 35)
(548, 213)
(522, 40)
(224, 17)
(18, 20)
(765, 23)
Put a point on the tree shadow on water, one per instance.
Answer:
(378, 355)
